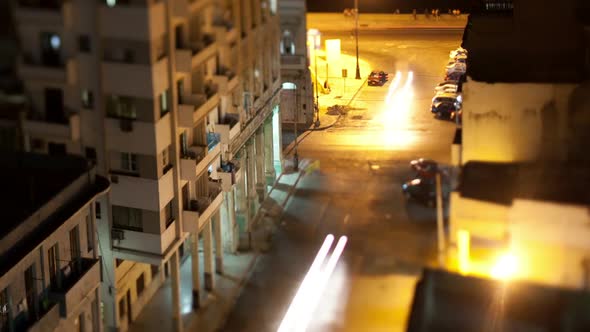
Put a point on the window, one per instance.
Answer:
(87, 99)
(30, 289)
(165, 157)
(122, 308)
(169, 213)
(97, 210)
(127, 218)
(52, 263)
(74, 243)
(84, 43)
(129, 161)
(155, 269)
(89, 233)
(4, 310)
(164, 103)
(121, 107)
(140, 285)
(91, 154)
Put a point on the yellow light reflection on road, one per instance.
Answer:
(396, 114)
(505, 267)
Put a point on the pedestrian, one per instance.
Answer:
(414, 14)
(426, 12)
(397, 11)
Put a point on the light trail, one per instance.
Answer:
(320, 285)
(395, 117)
(306, 286)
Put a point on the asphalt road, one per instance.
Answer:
(364, 160)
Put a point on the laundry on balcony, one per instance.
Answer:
(212, 140)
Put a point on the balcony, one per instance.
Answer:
(44, 13)
(225, 29)
(226, 81)
(195, 53)
(138, 137)
(195, 107)
(196, 161)
(48, 318)
(141, 193)
(136, 241)
(204, 109)
(148, 80)
(29, 69)
(68, 130)
(79, 278)
(200, 210)
(148, 21)
(293, 62)
(229, 174)
(228, 128)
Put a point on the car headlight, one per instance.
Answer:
(415, 182)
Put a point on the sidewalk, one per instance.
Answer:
(376, 22)
(156, 316)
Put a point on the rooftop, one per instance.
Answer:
(30, 181)
(563, 182)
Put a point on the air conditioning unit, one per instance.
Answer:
(126, 125)
(118, 234)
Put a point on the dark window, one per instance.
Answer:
(97, 209)
(121, 107)
(129, 162)
(87, 99)
(169, 213)
(75, 243)
(89, 233)
(91, 154)
(36, 143)
(140, 285)
(53, 267)
(50, 49)
(155, 269)
(127, 218)
(122, 308)
(56, 149)
(54, 106)
(31, 290)
(84, 43)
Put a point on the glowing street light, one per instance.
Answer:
(505, 267)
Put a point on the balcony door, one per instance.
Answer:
(52, 264)
(50, 49)
(54, 105)
(31, 293)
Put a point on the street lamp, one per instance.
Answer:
(356, 30)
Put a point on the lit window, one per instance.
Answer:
(289, 86)
(164, 103)
(111, 3)
(55, 42)
(87, 98)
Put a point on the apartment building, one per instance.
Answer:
(49, 254)
(525, 126)
(297, 95)
(177, 103)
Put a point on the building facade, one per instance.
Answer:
(177, 103)
(526, 115)
(297, 95)
(50, 278)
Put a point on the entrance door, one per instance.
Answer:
(54, 105)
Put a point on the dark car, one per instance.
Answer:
(425, 168)
(443, 109)
(377, 78)
(423, 190)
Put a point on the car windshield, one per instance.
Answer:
(444, 100)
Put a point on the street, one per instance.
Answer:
(357, 192)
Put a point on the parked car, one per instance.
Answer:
(457, 52)
(425, 168)
(423, 190)
(450, 88)
(455, 77)
(377, 78)
(444, 104)
(457, 67)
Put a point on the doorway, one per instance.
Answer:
(54, 105)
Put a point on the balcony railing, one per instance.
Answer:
(78, 279)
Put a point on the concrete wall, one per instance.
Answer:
(514, 122)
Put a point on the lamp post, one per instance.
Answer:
(356, 33)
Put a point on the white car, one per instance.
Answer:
(459, 51)
(451, 87)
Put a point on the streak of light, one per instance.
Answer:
(320, 285)
(395, 117)
(296, 306)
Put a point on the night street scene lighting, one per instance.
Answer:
(292, 165)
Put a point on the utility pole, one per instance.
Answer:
(356, 30)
